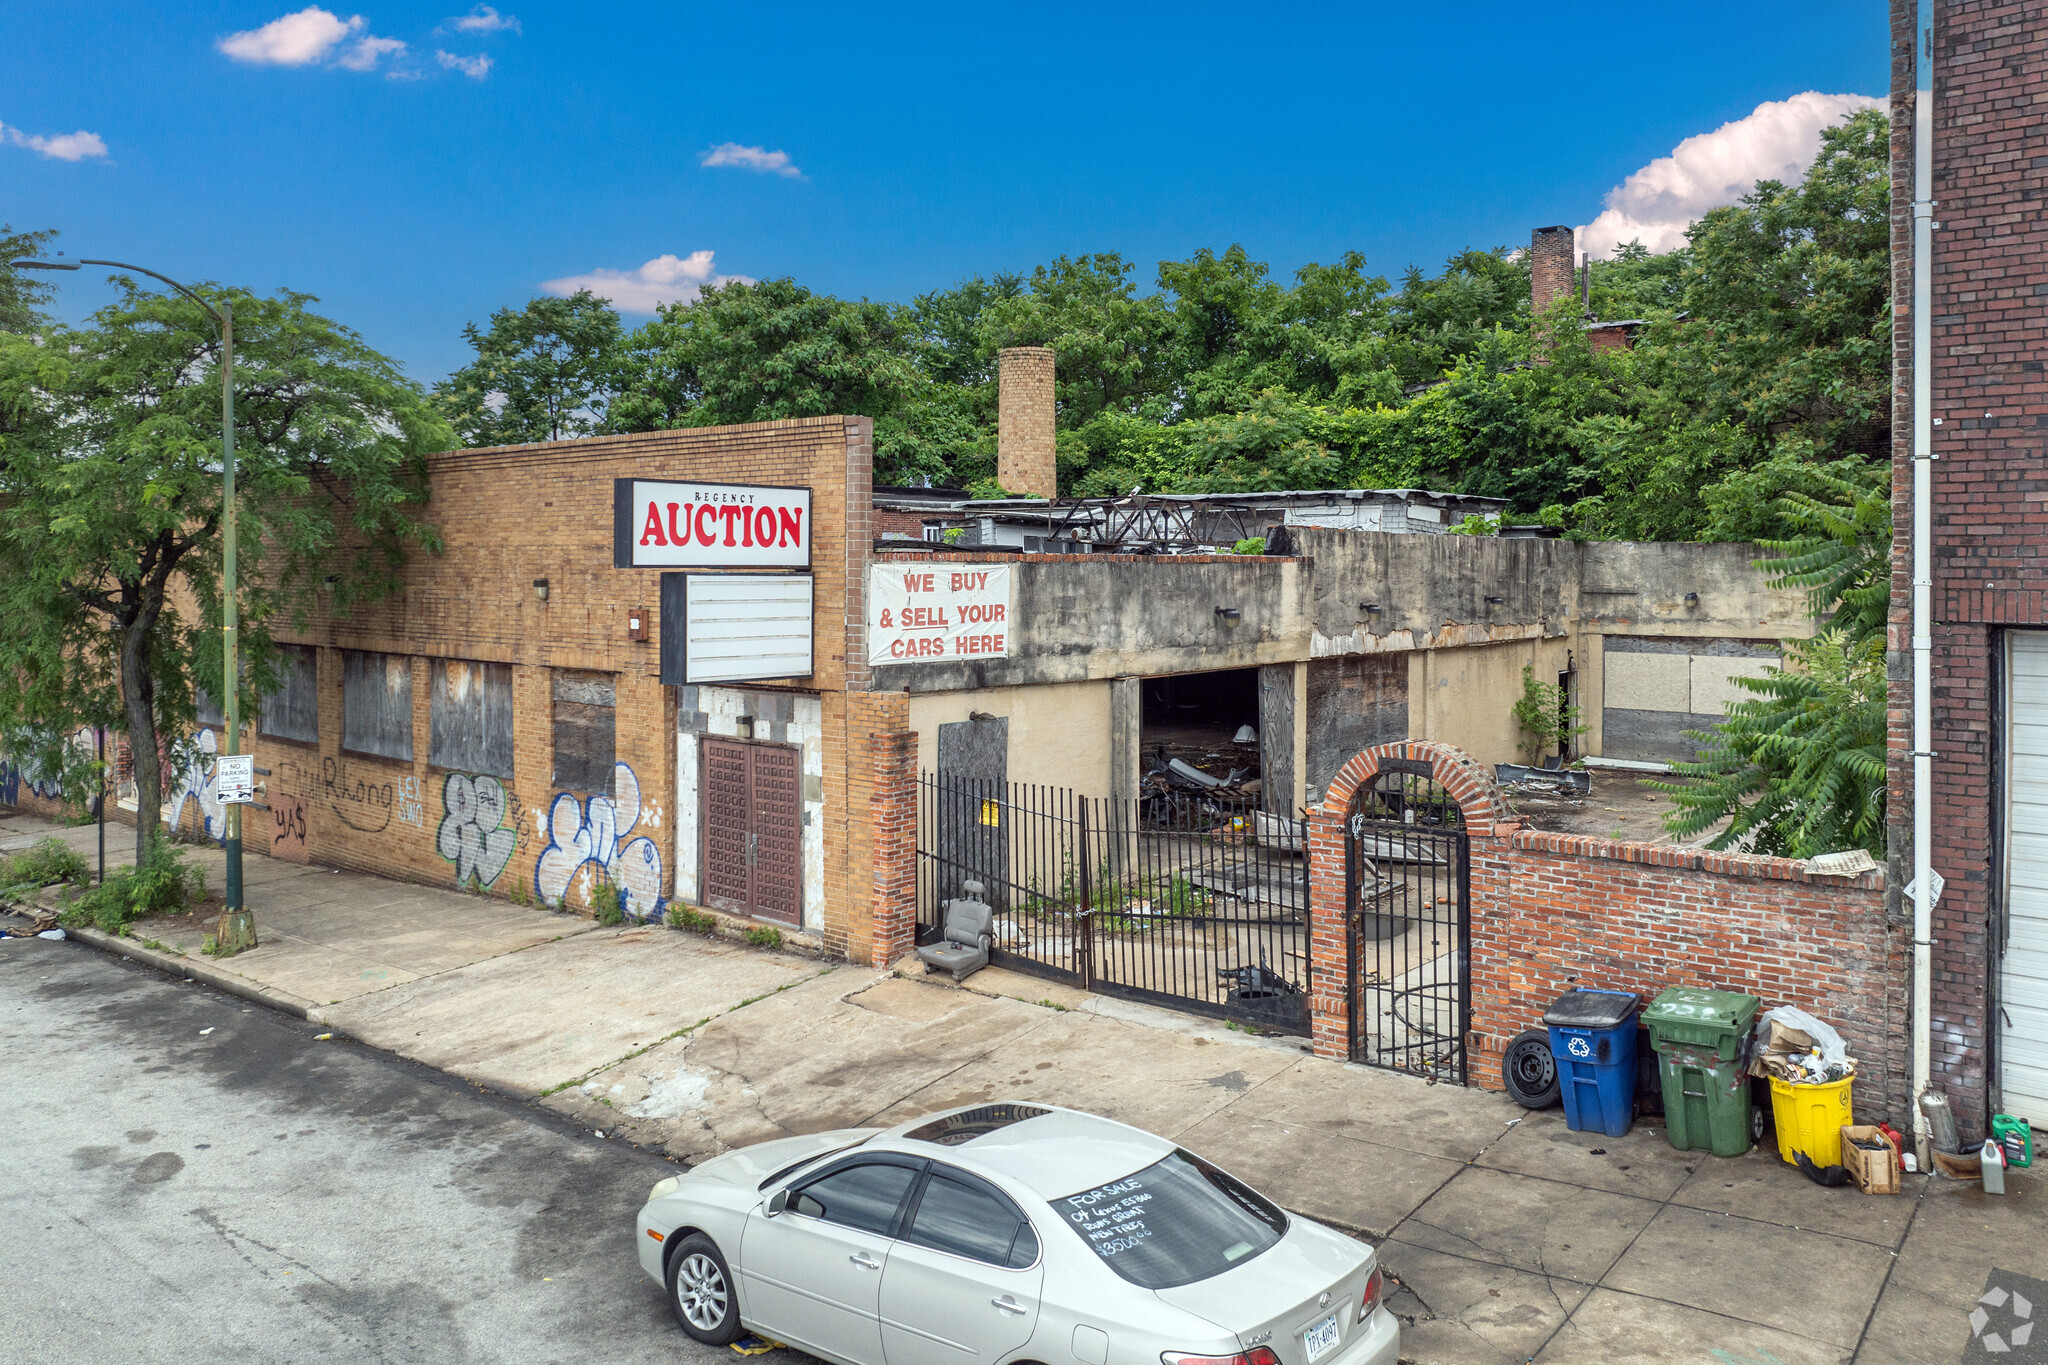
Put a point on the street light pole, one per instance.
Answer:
(237, 926)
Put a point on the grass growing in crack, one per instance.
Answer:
(642, 1051)
(1052, 1005)
(765, 937)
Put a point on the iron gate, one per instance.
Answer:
(1178, 898)
(1409, 930)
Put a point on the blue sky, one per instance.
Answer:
(414, 192)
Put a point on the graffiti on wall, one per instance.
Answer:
(411, 810)
(592, 839)
(288, 828)
(17, 775)
(474, 833)
(198, 781)
(363, 805)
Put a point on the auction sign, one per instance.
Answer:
(709, 526)
(938, 613)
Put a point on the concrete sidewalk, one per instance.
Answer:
(1512, 1238)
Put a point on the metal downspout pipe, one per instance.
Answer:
(1923, 569)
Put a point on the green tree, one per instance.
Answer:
(110, 505)
(542, 373)
(758, 352)
(1800, 769)
(21, 295)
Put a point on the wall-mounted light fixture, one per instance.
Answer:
(1369, 608)
(540, 589)
(1228, 613)
(636, 623)
(1496, 601)
(1692, 599)
(744, 727)
(329, 583)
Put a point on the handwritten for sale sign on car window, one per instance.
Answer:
(1111, 1217)
(934, 612)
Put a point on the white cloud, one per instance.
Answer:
(295, 40)
(476, 68)
(365, 52)
(485, 19)
(1776, 141)
(62, 147)
(750, 158)
(665, 279)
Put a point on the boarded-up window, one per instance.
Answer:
(293, 710)
(208, 709)
(470, 707)
(585, 738)
(376, 704)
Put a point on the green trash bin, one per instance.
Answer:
(1702, 1042)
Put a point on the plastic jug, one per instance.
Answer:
(1994, 1167)
(2016, 1136)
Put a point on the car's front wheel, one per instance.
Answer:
(700, 1292)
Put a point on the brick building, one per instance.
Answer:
(1980, 342)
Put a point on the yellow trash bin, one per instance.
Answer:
(1809, 1119)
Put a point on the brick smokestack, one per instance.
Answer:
(1553, 260)
(1024, 436)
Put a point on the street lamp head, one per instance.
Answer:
(43, 265)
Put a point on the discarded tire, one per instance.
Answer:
(1529, 1071)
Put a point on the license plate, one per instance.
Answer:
(1321, 1339)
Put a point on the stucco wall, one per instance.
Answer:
(1059, 733)
(1077, 617)
(789, 718)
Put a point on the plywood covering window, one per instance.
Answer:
(293, 710)
(376, 704)
(469, 707)
(209, 712)
(586, 743)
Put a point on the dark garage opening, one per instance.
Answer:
(1196, 718)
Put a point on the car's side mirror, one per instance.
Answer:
(778, 1201)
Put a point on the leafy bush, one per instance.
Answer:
(683, 917)
(43, 864)
(765, 937)
(609, 902)
(1251, 545)
(162, 884)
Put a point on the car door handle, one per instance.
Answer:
(865, 1261)
(1008, 1304)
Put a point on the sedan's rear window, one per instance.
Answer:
(1173, 1223)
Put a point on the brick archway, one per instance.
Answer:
(1484, 812)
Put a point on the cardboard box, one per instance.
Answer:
(1873, 1172)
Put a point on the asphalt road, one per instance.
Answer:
(192, 1178)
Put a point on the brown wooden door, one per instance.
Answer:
(750, 795)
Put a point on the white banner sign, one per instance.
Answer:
(932, 613)
(709, 526)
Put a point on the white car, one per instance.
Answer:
(1001, 1233)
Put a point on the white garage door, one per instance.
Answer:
(2023, 984)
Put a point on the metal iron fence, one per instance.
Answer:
(1180, 898)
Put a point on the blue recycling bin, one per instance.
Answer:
(1593, 1040)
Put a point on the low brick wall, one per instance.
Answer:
(1552, 912)
(1642, 917)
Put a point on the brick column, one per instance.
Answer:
(1024, 423)
(1551, 266)
(884, 825)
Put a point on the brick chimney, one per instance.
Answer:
(1024, 437)
(1553, 258)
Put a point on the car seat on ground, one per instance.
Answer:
(964, 949)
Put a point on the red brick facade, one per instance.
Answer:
(1989, 398)
(1552, 912)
